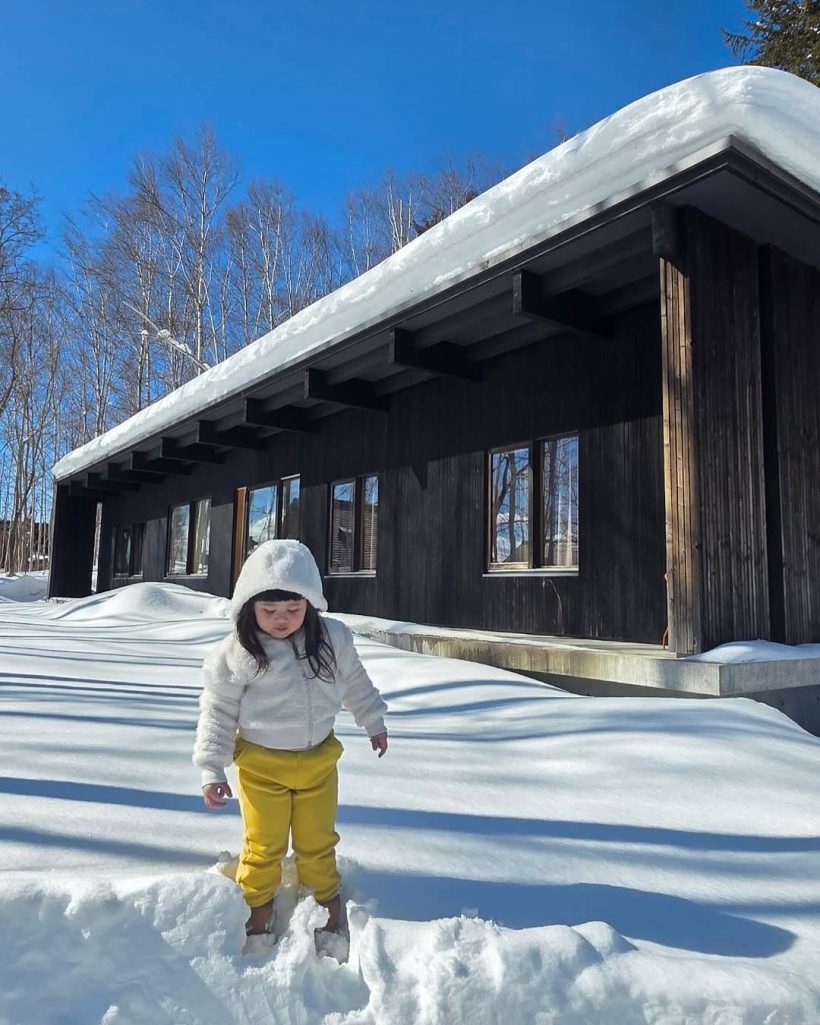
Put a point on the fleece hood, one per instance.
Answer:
(282, 566)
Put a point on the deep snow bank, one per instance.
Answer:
(165, 952)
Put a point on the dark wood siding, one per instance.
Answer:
(714, 431)
(791, 348)
(430, 452)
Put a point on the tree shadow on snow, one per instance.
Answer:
(637, 914)
(600, 832)
(96, 793)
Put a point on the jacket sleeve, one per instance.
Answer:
(359, 695)
(219, 703)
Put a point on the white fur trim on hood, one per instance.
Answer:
(279, 566)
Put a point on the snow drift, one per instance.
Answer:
(521, 855)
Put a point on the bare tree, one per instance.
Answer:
(184, 194)
(37, 360)
(379, 221)
(20, 229)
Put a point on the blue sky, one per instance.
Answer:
(325, 95)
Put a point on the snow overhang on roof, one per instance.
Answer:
(775, 113)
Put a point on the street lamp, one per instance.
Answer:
(164, 335)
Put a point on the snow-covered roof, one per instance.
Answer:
(639, 146)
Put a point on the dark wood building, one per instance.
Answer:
(607, 430)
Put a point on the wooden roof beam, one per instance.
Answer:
(572, 311)
(444, 359)
(171, 449)
(145, 461)
(354, 393)
(97, 480)
(115, 472)
(284, 419)
(232, 437)
(77, 489)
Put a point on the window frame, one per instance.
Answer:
(133, 571)
(535, 566)
(357, 481)
(192, 507)
(274, 482)
(246, 528)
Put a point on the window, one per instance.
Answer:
(128, 550)
(272, 511)
(290, 508)
(189, 538)
(510, 488)
(560, 493)
(262, 521)
(534, 506)
(354, 520)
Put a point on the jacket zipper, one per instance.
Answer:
(309, 710)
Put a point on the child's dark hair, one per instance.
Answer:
(317, 647)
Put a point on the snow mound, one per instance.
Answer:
(148, 602)
(165, 951)
(757, 651)
(25, 587)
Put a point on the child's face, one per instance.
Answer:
(280, 618)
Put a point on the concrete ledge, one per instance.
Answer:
(647, 666)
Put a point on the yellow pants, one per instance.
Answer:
(281, 793)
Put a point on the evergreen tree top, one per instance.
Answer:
(781, 34)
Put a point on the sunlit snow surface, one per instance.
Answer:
(519, 856)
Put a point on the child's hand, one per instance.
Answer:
(379, 743)
(214, 794)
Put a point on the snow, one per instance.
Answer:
(521, 854)
(23, 587)
(757, 651)
(638, 146)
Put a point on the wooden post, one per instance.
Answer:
(717, 576)
(74, 521)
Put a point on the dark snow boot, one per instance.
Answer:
(258, 930)
(333, 938)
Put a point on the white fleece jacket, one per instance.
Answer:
(284, 708)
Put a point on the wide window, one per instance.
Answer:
(189, 538)
(354, 525)
(533, 506)
(128, 550)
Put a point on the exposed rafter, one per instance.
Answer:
(444, 359)
(354, 393)
(171, 449)
(285, 419)
(144, 461)
(116, 472)
(571, 311)
(97, 480)
(232, 437)
(77, 489)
